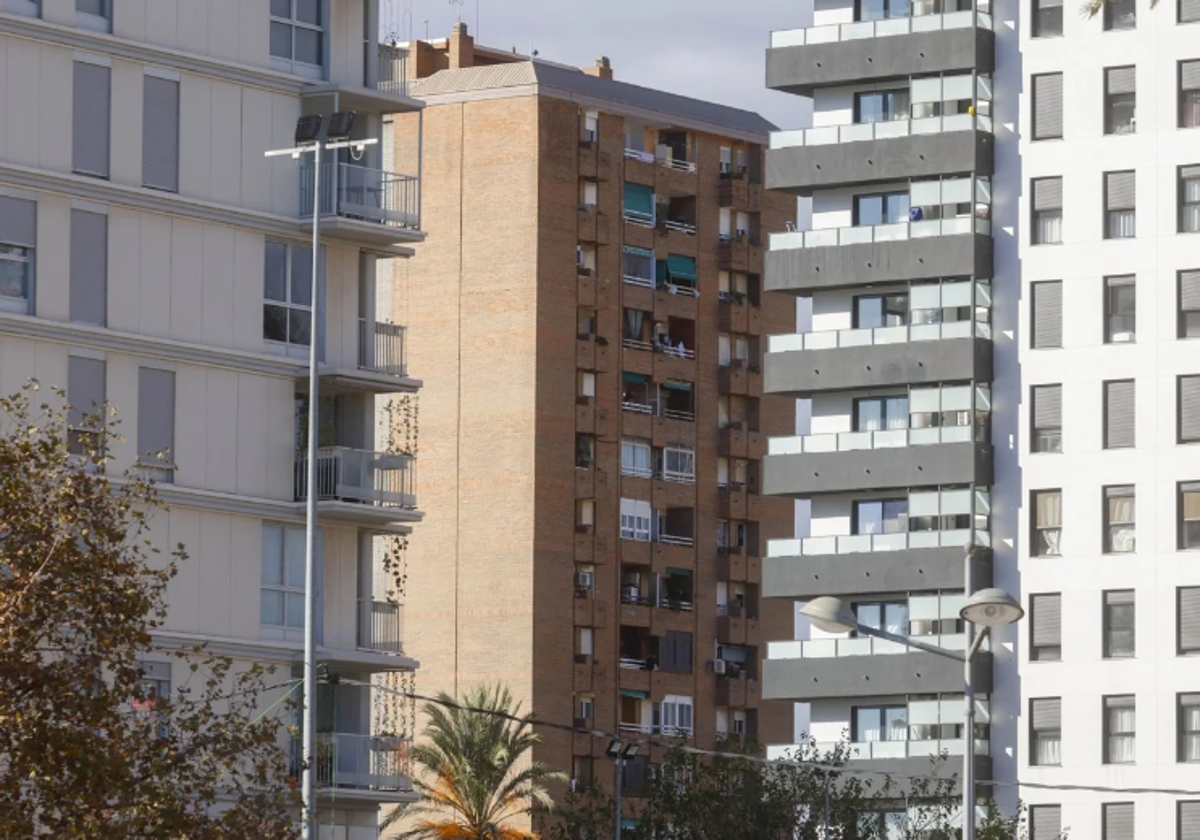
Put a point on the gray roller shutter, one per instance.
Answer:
(1047, 406)
(1119, 597)
(1186, 172)
(1118, 821)
(85, 388)
(18, 222)
(89, 267)
(1046, 713)
(1189, 11)
(160, 134)
(1047, 193)
(1119, 417)
(1189, 75)
(1189, 820)
(1046, 822)
(1119, 190)
(1189, 290)
(1189, 618)
(1047, 106)
(1047, 313)
(1189, 408)
(1047, 620)
(156, 413)
(1120, 79)
(90, 120)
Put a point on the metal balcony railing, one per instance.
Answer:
(866, 543)
(833, 33)
(882, 130)
(359, 192)
(380, 626)
(860, 646)
(360, 762)
(393, 70)
(382, 479)
(882, 439)
(381, 348)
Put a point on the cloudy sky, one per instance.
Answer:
(709, 49)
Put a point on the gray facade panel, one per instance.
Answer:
(806, 270)
(822, 678)
(801, 169)
(800, 373)
(808, 576)
(801, 476)
(803, 68)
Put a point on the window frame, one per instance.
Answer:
(286, 587)
(1185, 97)
(1182, 492)
(1035, 30)
(1129, 701)
(1118, 491)
(27, 258)
(634, 526)
(1039, 445)
(1036, 215)
(1109, 627)
(286, 346)
(1183, 205)
(1111, 101)
(1109, 22)
(1037, 736)
(290, 64)
(1182, 331)
(1036, 529)
(96, 22)
(1113, 284)
(1181, 732)
(636, 447)
(1048, 652)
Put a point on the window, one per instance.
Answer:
(891, 616)
(872, 311)
(160, 133)
(582, 776)
(1189, 727)
(676, 715)
(85, 392)
(591, 126)
(584, 644)
(1120, 728)
(1045, 633)
(287, 292)
(585, 512)
(90, 120)
(881, 105)
(1189, 515)
(89, 267)
(1048, 105)
(880, 9)
(1047, 210)
(1189, 11)
(155, 682)
(1188, 389)
(1189, 93)
(675, 653)
(1046, 305)
(587, 706)
(1046, 404)
(298, 37)
(635, 520)
(874, 414)
(635, 458)
(1119, 418)
(678, 464)
(1189, 302)
(1120, 308)
(1189, 199)
(283, 562)
(1117, 821)
(1045, 822)
(1047, 523)
(585, 322)
(18, 238)
(880, 208)
(1120, 100)
(879, 723)
(94, 14)
(587, 383)
(1119, 528)
(881, 516)
(637, 266)
(156, 422)
(1119, 630)
(585, 451)
(1047, 18)
(1120, 214)
(589, 194)
(1045, 735)
(1120, 14)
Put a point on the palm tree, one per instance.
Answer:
(469, 779)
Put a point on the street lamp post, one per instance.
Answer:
(986, 608)
(619, 752)
(313, 137)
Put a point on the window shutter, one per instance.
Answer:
(89, 127)
(1188, 172)
(1119, 418)
(1189, 408)
(1047, 314)
(1189, 618)
(1047, 106)
(1189, 290)
(1189, 11)
(1046, 713)
(1189, 820)
(85, 388)
(1046, 821)
(1047, 406)
(1047, 194)
(1189, 75)
(18, 222)
(1118, 821)
(160, 134)
(156, 413)
(1119, 189)
(1047, 620)
(89, 267)
(1120, 79)
(1119, 597)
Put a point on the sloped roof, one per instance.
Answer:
(572, 81)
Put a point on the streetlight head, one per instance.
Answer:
(631, 749)
(614, 749)
(991, 608)
(340, 125)
(833, 615)
(308, 129)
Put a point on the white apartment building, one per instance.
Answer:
(1004, 280)
(152, 257)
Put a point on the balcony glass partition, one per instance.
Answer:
(920, 21)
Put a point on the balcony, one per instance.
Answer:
(361, 487)
(800, 60)
(900, 758)
(380, 626)
(387, 93)
(854, 563)
(838, 156)
(370, 207)
(362, 768)
(381, 363)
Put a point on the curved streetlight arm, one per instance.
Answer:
(956, 655)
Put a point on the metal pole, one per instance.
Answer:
(619, 763)
(968, 779)
(308, 830)
(825, 836)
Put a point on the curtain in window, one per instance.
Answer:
(1121, 511)
(1121, 223)
(1121, 726)
(870, 415)
(1049, 510)
(1191, 204)
(896, 616)
(867, 724)
(897, 412)
(895, 725)
(1048, 226)
(633, 324)
(1048, 749)
(1191, 733)
(1190, 116)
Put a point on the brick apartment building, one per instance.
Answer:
(587, 313)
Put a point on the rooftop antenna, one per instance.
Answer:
(457, 4)
(426, 22)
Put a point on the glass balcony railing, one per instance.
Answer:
(860, 646)
(882, 439)
(867, 234)
(867, 750)
(866, 543)
(830, 339)
(833, 33)
(883, 130)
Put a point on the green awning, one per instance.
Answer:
(639, 202)
(677, 386)
(633, 692)
(679, 572)
(639, 378)
(681, 268)
(639, 252)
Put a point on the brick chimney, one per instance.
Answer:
(462, 47)
(602, 69)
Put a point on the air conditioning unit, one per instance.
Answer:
(584, 580)
(717, 666)
(630, 593)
